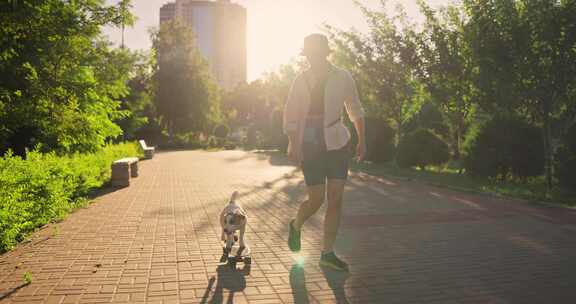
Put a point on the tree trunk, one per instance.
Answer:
(171, 131)
(458, 136)
(547, 153)
(457, 155)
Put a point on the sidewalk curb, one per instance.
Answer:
(539, 203)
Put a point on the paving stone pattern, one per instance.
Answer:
(157, 241)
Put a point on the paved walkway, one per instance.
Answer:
(157, 242)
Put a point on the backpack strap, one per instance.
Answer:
(334, 122)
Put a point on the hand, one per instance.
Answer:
(360, 152)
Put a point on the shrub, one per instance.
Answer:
(214, 142)
(45, 187)
(221, 131)
(565, 160)
(504, 146)
(379, 140)
(188, 141)
(229, 145)
(151, 132)
(565, 168)
(570, 139)
(430, 117)
(421, 148)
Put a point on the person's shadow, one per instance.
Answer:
(231, 279)
(335, 279)
(298, 284)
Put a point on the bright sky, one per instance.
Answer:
(275, 28)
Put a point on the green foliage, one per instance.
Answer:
(379, 140)
(382, 63)
(430, 117)
(504, 146)
(187, 98)
(565, 160)
(570, 138)
(525, 52)
(260, 104)
(507, 57)
(565, 168)
(60, 83)
(45, 187)
(184, 141)
(138, 103)
(446, 68)
(421, 148)
(27, 277)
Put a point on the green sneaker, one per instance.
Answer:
(294, 238)
(331, 260)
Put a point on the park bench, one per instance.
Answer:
(124, 169)
(148, 151)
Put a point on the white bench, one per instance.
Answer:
(124, 169)
(148, 151)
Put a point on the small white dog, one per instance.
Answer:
(233, 218)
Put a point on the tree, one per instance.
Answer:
(138, 102)
(58, 84)
(525, 51)
(383, 63)
(258, 105)
(447, 69)
(187, 98)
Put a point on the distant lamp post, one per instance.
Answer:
(124, 7)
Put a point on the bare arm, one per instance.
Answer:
(361, 147)
(291, 111)
(294, 151)
(356, 114)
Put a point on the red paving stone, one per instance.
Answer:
(157, 242)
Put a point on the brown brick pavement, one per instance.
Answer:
(157, 242)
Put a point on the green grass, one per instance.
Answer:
(532, 190)
(44, 188)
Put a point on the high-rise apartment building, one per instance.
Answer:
(220, 29)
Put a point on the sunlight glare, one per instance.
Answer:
(300, 259)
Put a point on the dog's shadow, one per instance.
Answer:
(230, 279)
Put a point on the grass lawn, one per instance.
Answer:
(532, 190)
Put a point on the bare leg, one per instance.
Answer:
(333, 212)
(241, 238)
(310, 206)
(229, 241)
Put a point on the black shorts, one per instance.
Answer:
(318, 164)
(332, 165)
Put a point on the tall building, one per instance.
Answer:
(220, 29)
